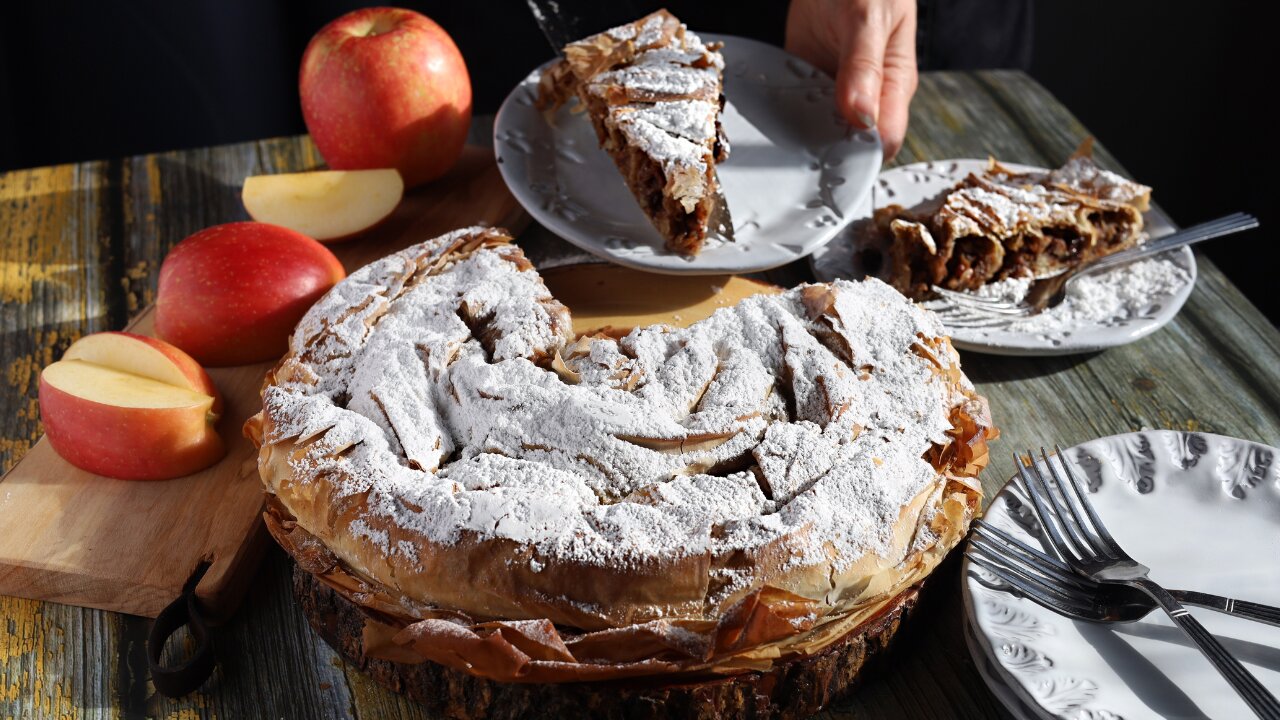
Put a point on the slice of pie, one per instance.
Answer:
(1001, 224)
(654, 93)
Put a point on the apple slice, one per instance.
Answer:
(146, 356)
(131, 407)
(326, 205)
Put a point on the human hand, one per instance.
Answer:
(870, 46)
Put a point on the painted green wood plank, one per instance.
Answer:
(56, 284)
(1039, 117)
(954, 116)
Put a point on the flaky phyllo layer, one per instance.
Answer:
(506, 498)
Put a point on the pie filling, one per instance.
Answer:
(683, 228)
(999, 224)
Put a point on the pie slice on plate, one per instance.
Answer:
(1000, 224)
(654, 92)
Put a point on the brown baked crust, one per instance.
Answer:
(678, 192)
(1001, 224)
(483, 605)
(795, 689)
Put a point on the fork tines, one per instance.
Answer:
(997, 305)
(1084, 544)
(963, 315)
(1036, 576)
(1066, 515)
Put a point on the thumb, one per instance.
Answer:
(861, 71)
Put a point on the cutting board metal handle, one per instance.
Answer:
(178, 680)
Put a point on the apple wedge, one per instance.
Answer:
(146, 356)
(326, 205)
(131, 407)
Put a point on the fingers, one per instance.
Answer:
(895, 104)
(861, 72)
(871, 44)
(898, 86)
(811, 35)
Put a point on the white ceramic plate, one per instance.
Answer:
(849, 256)
(795, 169)
(1203, 512)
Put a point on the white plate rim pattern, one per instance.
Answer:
(1025, 680)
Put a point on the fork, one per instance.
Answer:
(1053, 584)
(1078, 536)
(970, 310)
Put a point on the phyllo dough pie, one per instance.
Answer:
(1001, 224)
(653, 91)
(523, 505)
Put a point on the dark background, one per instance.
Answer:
(1172, 88)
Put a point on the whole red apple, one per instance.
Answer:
(231, 294)
(385, 87)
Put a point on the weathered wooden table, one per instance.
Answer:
(80, 251)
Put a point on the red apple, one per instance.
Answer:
(231, 294)
(385, 87)
(131, 407)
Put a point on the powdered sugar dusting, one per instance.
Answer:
(1000, 203)
(1117, 295)
(425, 385)
(1078, 175)
(693, 120)
(662, 78)
(1083, 175)
(683, 162)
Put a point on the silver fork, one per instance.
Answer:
(1053, 584)
(1083, 542)
(963, 309)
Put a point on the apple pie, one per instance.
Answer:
(501, 497)
(654, 92)
(1001, 224)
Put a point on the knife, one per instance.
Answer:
(558, 29)
(562, 25)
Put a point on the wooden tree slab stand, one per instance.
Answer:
(793, 689)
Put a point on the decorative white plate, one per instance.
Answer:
(1203, 512)
(849, 255)
(795, 169)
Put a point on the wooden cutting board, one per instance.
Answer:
(72, 537)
